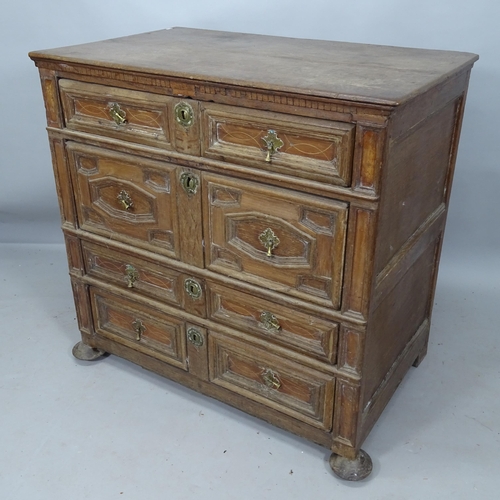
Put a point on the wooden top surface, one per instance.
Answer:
(355, 72)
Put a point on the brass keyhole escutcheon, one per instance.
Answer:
(117, 114)
(271, 379)
(270, 321)
(193, 288)
(125, 200)
(189, 183)
(273, 144)
(269, 240)
(184, 114)
(139, 328)
(131, 275)
(195, 337)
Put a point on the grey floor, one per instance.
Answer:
(75, 430)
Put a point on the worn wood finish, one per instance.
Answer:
(295, 283)
(313, 149)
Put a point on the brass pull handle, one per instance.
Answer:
(139, 328)
(271, 379)
(117, 113)
(184, 114)
(193, 288)
(125, 199)
(273, 144)
(269, 321)
(189, 183)
(195, 337)
(131, 275)
(269, 240)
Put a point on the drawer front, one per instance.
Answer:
(143, 277)
(275, 238)
(280, 324)
(261, 376)
(126, 197)
(301, 147)
(123, 114)
(139, 327)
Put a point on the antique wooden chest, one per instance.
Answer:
(258, 218)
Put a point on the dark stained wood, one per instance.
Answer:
(316, 336)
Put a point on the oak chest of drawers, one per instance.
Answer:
(258, 218)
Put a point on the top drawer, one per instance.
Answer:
(123, 114)
(302, 147)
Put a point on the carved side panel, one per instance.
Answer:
(359, 266)
(64, 186)
(346, 418)
(51, 98)
(368, 158)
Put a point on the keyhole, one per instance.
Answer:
(183, 114)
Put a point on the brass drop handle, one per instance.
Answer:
(271, 379)
(269, 240)
(269, 321)
(139, 328)
(117, 114)
(125, 199)
(273, 144)
(131, 275)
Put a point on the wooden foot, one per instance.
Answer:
(86, 353)
(352, 470)
(420, 357)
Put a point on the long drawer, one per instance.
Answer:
(279, 324)
(281, 384)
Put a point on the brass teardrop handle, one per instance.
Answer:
(269, 240)
(269, 321)
(117, 114)
(125, 199)
(271, 379)
(131, 275)
(273, 144)
(139, 328)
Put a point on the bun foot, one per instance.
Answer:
(86, 353)
(352, 470)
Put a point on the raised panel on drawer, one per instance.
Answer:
(281, 384)
(282, 325)
(88, 107)
(308, 260)
(312, 149)
(142, 277)
(104, 178)
(137, 275)
(161, 336)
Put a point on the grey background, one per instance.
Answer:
(113, 430)
(28, 209)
